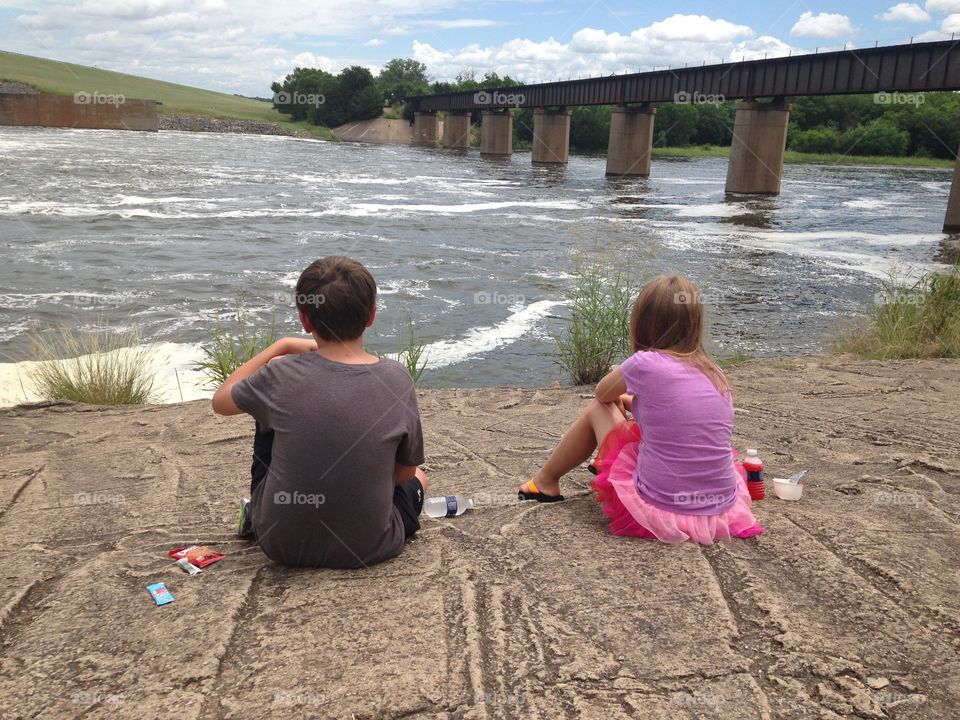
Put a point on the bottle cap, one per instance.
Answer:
(752, 452)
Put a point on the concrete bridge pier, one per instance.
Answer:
(456, 129)
(759, 141)
(951, 223)
(551, 135)
(496, 133)
(631, 140)
(425, 129)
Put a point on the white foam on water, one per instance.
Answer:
(371, 181)
(868, 204)
(77, 298)
(840, 249)
(708, 210)
(490, 182)
(690, 181)
(413, 287)
(470, 207)
(477, 250)
(175, 378)
(479, 340)
(941, 188)
(138, 200)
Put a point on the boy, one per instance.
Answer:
(335, 481)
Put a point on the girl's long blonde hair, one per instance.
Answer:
(668, 317)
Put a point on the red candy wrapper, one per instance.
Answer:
(198, 555)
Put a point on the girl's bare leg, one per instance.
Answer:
(578, 443)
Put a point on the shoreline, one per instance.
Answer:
(368, 132)
(177, 382)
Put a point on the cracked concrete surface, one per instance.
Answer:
(846, 607)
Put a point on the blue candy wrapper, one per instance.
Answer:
(160, 594)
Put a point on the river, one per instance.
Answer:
(169, 232)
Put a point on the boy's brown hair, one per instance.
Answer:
(337, 295)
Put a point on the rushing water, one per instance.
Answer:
(170, 231)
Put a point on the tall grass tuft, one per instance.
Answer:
(232, 346)
(730, 361)
(99, 367)
(412, 354)
(598, 330)
(919, 319)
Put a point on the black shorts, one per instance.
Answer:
(408, 499)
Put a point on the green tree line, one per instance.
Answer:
(896, 124)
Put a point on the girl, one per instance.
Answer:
(669, 473)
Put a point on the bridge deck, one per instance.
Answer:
(919, 67)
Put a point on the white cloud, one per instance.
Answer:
(760, 48)
(931, 36)
(244, 45)
(234, 47)
(673, 42)
(694, 27)
(822, 25)
(460, 23)
(309, 60)
(943, 6)
(905, 12)
(951, 23)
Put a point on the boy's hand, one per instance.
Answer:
(295, 345)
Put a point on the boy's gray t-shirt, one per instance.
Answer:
(339, 432)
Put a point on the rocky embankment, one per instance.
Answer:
(847, 606)
(13, 87)
(195, 123)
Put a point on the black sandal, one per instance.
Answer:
(531, 492)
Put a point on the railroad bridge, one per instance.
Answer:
(762, 88)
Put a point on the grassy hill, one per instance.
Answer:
(60, 78)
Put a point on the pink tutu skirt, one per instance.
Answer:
(630, 515)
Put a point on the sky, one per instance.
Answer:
(241, 46)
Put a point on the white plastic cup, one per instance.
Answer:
(786, 490)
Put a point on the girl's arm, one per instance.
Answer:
(611, 387)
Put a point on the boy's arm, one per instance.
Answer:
(611, 387)
(404, 473)
(223, 403)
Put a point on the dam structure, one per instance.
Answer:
(84, 110)
(761, 87)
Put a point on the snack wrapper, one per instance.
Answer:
(188, 567)
(160, 594)
(196, 555)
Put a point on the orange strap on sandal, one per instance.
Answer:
(531, 492)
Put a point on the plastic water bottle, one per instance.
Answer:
(446, 506)
(754, 467)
